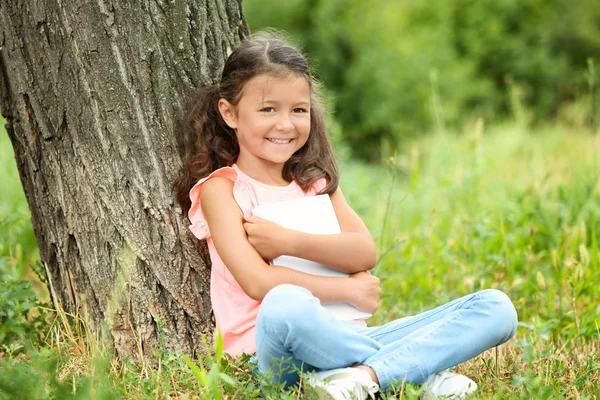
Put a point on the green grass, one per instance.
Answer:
(507, 209)
(17, 242)
(492, 208)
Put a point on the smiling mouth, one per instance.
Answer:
(279, 141)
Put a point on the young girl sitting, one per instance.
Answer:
(258, 137)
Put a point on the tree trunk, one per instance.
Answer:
(92, 94)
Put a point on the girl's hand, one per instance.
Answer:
(365, 291)
(268, 238)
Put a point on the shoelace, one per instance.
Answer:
(370, 387)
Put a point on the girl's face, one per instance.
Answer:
(271, 120)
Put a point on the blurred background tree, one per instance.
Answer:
(396, 70)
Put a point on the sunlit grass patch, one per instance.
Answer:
(494, 210)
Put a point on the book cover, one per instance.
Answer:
(313, 215)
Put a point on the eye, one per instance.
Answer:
(268, 110)
(300, 110)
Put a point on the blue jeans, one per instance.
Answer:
(295, 333)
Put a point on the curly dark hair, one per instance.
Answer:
(210, 144)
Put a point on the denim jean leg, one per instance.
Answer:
(441, 338)
(294, 331)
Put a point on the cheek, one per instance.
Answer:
(259, 125)
(304, 127)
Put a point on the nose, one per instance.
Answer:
(284, 123)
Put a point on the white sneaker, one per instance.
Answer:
(344, 384)
(447, 385)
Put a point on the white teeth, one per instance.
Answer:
(279, 141)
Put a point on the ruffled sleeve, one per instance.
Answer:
(242, 196)
(317, 187)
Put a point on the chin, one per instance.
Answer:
(281, 160)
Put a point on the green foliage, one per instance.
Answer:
(20, 320)
(542, 45)
(505, 209)
(16, 301)
(213, 380)
(37, 377)
(501, 208)
(18, 248)
(397, 70)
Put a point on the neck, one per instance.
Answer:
(267, 173)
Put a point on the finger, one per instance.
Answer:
(253, 219)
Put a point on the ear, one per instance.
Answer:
(227, 111)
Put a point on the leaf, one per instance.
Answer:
(227, 379)
(199, 372)
(218, 343)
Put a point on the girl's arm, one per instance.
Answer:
(351, 251)
(254, 275)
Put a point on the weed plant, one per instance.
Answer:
(493, 208)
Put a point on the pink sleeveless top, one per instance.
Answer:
(234, 310)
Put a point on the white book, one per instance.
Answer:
(313, 215)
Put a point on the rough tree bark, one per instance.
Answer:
(92, 92)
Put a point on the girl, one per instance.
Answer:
(258, 137)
